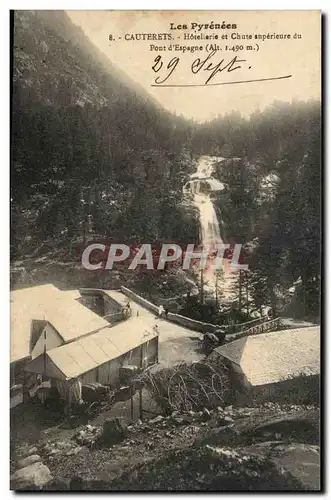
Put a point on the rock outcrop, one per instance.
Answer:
(208, 468)
(33, 477)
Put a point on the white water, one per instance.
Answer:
(210, 230)
(200, 186)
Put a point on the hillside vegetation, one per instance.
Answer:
(92, 153)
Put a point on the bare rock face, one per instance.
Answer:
(32, 477)
(302, 461)
(301, 426)
(28, 461)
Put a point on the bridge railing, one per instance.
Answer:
(241, 327)
(268, 326)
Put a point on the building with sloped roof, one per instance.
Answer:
(66, 335)
(282, 365)
(97, 357)
(68, 317)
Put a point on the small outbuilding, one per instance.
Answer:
(275, 366)
(55, 335)
(42, 318)
(97, 358)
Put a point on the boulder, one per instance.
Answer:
(226, 420)
(28, 461)
(31, 451)
(114, 431)
(303, 462)
(33, 476)
(91, 428)
(157, 419)
(177, 420)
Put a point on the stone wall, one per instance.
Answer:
(192, 324)
(140, 300)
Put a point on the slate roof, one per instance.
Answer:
(274, 356)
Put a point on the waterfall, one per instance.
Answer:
(209, 225)
(200, 186)
(210, 229)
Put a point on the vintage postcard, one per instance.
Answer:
(165, 250)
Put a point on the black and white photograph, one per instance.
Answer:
(165, 250)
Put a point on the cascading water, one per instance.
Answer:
(210, 230)
(200, 186)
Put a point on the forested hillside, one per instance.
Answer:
(92, 153)
(273, 197)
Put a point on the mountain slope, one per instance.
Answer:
(92, 153)
(50, 51)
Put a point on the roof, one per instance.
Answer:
(87, 353)
(60, 308)
(271, 357)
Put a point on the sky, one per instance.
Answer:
(299, 57)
